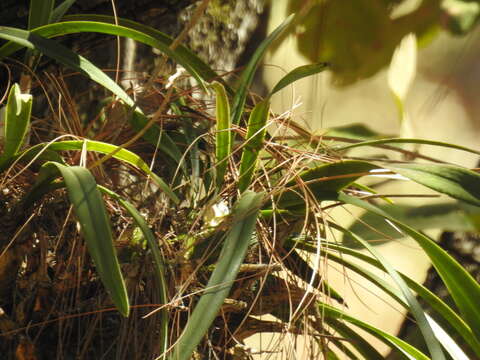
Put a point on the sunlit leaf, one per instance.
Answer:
(380, 142)
(463, 288)
(403, 66)
(354, 131)
(22, 38)
(16, 118)
(414, 307)
(157, 259)
(456, 182)
(249, 72)
(95, 226)
(104, 148)
(393, 341)
(236, 243)
(445, 216)
(299, 73)
(256, 130)
(323, 182)
(223, 132)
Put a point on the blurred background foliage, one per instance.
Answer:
(359, 37)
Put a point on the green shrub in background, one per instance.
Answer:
(188, 221)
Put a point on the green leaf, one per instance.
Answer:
(433, 301)
(157, 259)
(456, 182)
(64, 56)
(92, 216)
(233, 252)
(354, 338)
(456, 323)
(129, 29)
(223, 132)
(380, 142)
(249, 72)
(16, 119)
(324, 182)
(402, 346)
(256, 130)
(299, 73)
(415, 308)
(463, 288)
(61, 9)
(445, 216)
(354, 131)
(40, 13)
(104, 148)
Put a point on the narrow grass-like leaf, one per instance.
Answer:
(404, 141)
(324, 181)
(200, 70)
(16, 120)
(415, 308)
(456, 182)
(104, 148)
(253, 143)
(126, 28)
(434, 302)
(22, 38)
(233, 252)
(157, 259)
(299, 73)
(446, 216)
(223, 132)
(40, 13)
(354, 339)
(61, 10)
(402, 346)
(249, 72)
(463, 288)
(354, 131)
(92, 216)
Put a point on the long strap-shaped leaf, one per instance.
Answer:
(253, 143)
(233, 252)
(463, 288)
(453, 318)
(16, 117)
(457, 182)
(31, 40)
(324, 182)
(404, 141)
(437, 304)
(126, 28)
(427, 332)
(157, 259)
(405, 348)
(104, 148)
(92, 216)
(223, 134)
(249, 72)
